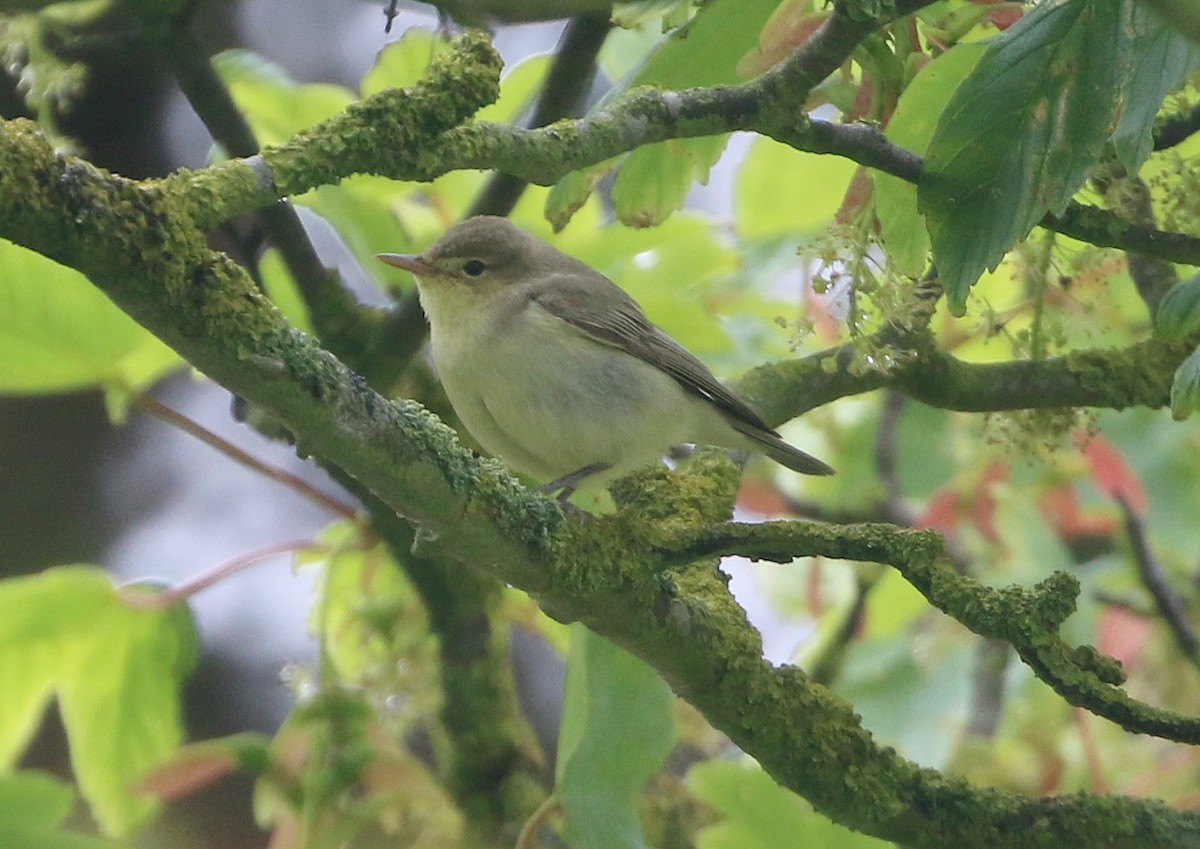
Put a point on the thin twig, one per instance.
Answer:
(293, 482)
(529, 832)
(336, 313)
(987, 687)
(134, 596)
(887, 457)
(1168, 602)
(1091, 754)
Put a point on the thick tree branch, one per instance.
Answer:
(1170, 606)
(1114, 378)
(344, 325)
(1027, 619)
(141, 244)
(142, 248)
(767, 105)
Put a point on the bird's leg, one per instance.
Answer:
(567, 484)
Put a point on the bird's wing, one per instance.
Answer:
(622, 324)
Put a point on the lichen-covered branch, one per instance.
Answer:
(1026, 618)
(140, 246)
(1110, 378)
(343, 323)
(348, 144)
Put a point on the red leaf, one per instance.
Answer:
(1122, 634)
(983, 506)
(1113, 475)
(1060, 506)
(761, 497)
(187, 772)
(1002, 19)
(941, 513)
(858, 196)
(789, 26)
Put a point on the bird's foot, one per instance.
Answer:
(567, 484)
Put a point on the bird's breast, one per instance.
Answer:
(546, 398)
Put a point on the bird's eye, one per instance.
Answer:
(474, 267)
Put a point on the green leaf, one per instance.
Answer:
(405, 61)
(276, 106)
(59, 333)
(655, 179)
(703, 52)
(756, 813)
(782, 190)
(281, 288)
(28, 683)
(571, 193)
(907, 700)
(116, 670)
(902, 228)
(1185, 388)
(32, 806)
(616, 731)
(1021, 133)
(1178, 313)
(1163, 59)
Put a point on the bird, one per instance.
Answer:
(557, 371)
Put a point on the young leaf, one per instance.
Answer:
(59, 333)
(703, 52)
(32, 806)
(1165, 58)
(1185, 389)
(1021, 133)
(616, 730)
(116, 671)
(198, 765)
(902, 228)
(756, 813)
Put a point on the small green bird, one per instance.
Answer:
(557, 371)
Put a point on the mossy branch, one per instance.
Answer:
(142, 244)
(1026, 618)
(374, 136)
(1108, 378)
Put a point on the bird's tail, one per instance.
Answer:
(771, 444)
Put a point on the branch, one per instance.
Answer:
(1170, 605)
(1116, 378)
(1177, 129)
(1027, 619)
(139, 245)
(767, 105)
(342, 323)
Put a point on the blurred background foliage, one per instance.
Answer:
(745, 250)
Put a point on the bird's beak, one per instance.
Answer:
(410, 263)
